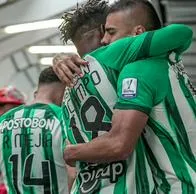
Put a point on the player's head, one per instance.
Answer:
(83, 26)
(10, 97)
(130, 17)
(50, 87)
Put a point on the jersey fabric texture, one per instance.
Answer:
(88, 109)
(32, 140)
(163, 91)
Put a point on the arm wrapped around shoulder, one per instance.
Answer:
(178, 38)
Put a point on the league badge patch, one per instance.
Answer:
(129, 88)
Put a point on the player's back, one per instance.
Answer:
(175, 135)
(31, 150)
(170, 132)
(88, 113)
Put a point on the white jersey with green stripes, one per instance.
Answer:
(32, 140)
(165, 93)
(88, 109)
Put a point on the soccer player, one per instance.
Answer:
(170, 136)
(88, 119)
(32, 140)
(153, 93)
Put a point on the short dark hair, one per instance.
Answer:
(48, 76)
(153, 21)
(88, 16)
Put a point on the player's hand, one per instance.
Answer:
(65, 66)
(68, 155)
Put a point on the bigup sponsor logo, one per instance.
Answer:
(91, 176)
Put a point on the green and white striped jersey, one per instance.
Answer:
(88, 109)
(89, 106)
(163, 91)
(32, 141)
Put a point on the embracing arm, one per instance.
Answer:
(175, 37)
(138, 91)
(117, 144)
(66, 65)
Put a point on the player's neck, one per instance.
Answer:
(43, 98)
(48, 95)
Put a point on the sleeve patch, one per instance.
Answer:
(129, 88)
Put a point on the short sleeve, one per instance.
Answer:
(142, 85)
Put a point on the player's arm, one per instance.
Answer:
(137, 95)
(66, 65)
(127, 126)
(175, 37)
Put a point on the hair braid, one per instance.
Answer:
(91, 14)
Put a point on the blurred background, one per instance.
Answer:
(26, 48)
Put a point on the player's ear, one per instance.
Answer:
(35, 94)
(138, 30)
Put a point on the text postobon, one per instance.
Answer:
(27, 123)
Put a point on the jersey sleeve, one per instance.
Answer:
(149, 44)
(175, 37)
(120, 52)
(142, 85)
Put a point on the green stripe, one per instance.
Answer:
(76, 186)
(48, 152)
(142, 182)
(7, 152)
(63, 133)
(120, 185)
(178, 126)
(187, 93)
(123, 106)
(66, 120)
(177, 162)
(145, 48)
(25, 149)
(164, 186)
(31, 115)
(54, 110)
(188, 189)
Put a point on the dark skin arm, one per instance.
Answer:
(65, 65)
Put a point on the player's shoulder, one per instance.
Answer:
(11, 112)
(55, 110)
(147, 67)
(49, 110)
(55, 107)
(43, 106)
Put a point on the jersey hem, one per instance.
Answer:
(132, 106)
